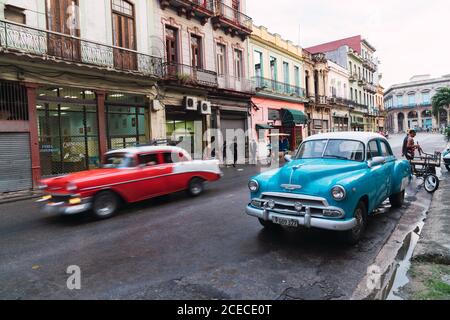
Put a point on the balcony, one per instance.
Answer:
(370, 88)
(353, 77)
(318, 100)
(370, 65)
(271, 86)
(232, 21)
(236, 84)
(202, 10)
(189, 76)
(22, 39)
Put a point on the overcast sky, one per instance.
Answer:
(411, 36)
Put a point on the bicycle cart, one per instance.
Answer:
(424, 168)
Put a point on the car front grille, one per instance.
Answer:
(285, 204)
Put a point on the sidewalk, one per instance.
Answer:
(430, 269)
(18, 196)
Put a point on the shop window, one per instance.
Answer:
(68, 131)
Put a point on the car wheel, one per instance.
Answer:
(269, 225)
(354, 235)
(196, 187)
(397, 199)
(431, 183)
(105, 205)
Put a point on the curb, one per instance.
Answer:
(19, 198)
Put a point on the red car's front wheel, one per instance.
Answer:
(105, 205)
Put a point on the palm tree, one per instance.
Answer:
(440, 101)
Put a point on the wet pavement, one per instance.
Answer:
(176, 247)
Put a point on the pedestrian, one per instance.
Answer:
(235, 152)
(405, 144)
(412, 146)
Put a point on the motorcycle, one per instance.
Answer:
(446, 156)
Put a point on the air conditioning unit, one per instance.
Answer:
(190, 103)
(156, 105)
(205, 107)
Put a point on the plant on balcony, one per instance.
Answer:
(440, 101)
(184, 78)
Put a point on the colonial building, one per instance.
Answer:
(205, 84)
(338, 88)
(379, 106)
(409, 104)
(277, 71)
(357, 56)
(76, 78)
(318, 108)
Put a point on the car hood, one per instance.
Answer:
(59, 183)
(310, 173)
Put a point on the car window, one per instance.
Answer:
(372, 151)
(148, 159)
(386, 150)
(173, 157)
(118, 160)
(312, 149)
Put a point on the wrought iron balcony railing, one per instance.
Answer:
(37, 42)
(269, 85)
(236, 84)
(232, 18)
(188, 75)
(202, 9)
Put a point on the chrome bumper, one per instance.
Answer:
(63, 208)
(307, 220)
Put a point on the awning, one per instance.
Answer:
(291, 118)
(264, 127)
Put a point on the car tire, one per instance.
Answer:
(105, 205)
(431, 183)
(269, 225)
(354, 235)
(196, 187)
(397, 200)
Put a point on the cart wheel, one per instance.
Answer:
(431, 183)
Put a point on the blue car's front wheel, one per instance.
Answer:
(354, 235)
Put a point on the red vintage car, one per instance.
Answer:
(128, 176)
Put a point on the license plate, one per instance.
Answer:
(285, 222)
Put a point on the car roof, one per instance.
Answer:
(364, 137)
(135, 150)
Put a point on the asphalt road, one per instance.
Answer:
(176, 247)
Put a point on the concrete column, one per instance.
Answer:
(101, 120)
(34, 135)
(419, 117)
(395, 117)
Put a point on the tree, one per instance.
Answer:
(440, 101)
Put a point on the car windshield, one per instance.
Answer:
(118, 160)
(332, 149)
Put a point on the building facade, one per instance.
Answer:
(409, 105)
(70, 92)
(318, 108)
(206, 83)
(357, 56)
(338, 88)
(276, 68)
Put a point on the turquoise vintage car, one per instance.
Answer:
(333, 182)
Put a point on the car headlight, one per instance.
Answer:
(253, 185)
(42, 186)
(71, 187)
(338, 193)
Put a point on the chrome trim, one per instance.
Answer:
(145, 179)
(307, 221)
(343, 189)
(296, 196)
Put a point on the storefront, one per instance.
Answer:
(283, 116)
(340, 121)
(68, 130)
(126, 120)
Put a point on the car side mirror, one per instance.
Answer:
(376, 161)
(288, 158)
